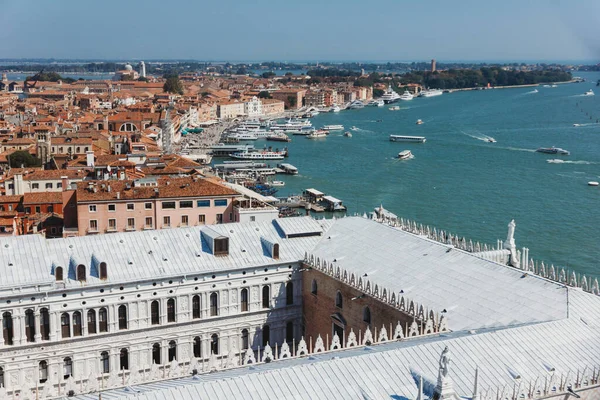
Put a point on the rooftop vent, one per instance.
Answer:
(218, 243)
(271, 247)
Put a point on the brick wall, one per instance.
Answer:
(318, 309)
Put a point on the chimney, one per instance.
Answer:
(65, 182)
(89, 158)
(118, 195)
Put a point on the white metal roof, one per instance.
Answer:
(331, 199)
(299, 226)
(475, 292)
(314, 192)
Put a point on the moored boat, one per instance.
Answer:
(406, 96)
(317, 135)
(333, 127)
(430, 93)
(390, 96)
(259, 155)
(278, 183)
(356, 104)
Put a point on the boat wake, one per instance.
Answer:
(532, 92)
(480, 136)
(559, 161)
(516, 149)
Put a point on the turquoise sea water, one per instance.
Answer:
(459, 182)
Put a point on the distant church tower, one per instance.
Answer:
(433, 65)
(142, 69)
(42, 147)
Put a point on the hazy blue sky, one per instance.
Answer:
(302, 30)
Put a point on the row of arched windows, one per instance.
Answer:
(339, 301)
(80, 272)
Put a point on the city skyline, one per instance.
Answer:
(335, 31)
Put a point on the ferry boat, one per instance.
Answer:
(390, 96)
(333, 127)
(589, 93)
(317, 135)
(223, 149)
(431, 93)
(291, 124)
(405, 155)
(402, 138)
(356, 104)
(288, 169)
(553, 150)
(243, 136)
(259, 155)
(406, 96)
(307, 130)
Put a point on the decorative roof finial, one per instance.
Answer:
(445, 388)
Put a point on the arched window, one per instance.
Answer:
(214, 304)
(266, 335)
(67, 367)
(156, 353)
(81, 273)
(122, 316)
(339, 302)
(196, 306)
(214, 344)
(244, 300)
(313, 287)
(104, 362)
(45, 324)
(289, 293)
(289, 332)
(367, 315)
(123, 359)
(276, 251)
(155, 313)
(7, 328)
(65, 325)
(77, 328)
(91, 321)
(103, 271)
(58, 274)
(172, 350)
(197, 347)
(266, 296)
(171, 310)
(43, 371)
(29, 325)
(245, 341)
(103, 319)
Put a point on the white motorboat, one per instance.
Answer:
(319, 134)
(553, 86)
(333, 127)
(335, 109)
(353, 128)
(405, 155)
(378, 102)
(576, 124)
(553, 150)
(278, 183)
(406, 96)
(347, 134)
(419, 122)
(431, 93)
(394, 108)
(356, 104)
(593, 183)
(402, 138)
(390, 96)
(589, 93)
(491, 140)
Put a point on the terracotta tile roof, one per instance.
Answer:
(42, 198)
(11, 199)
(53, 174)
(62, 140)
(176, 187)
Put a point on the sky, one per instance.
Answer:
(305, 30)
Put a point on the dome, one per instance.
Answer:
(128, 67)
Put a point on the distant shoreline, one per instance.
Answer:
(512, 86)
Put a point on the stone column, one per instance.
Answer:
(71, 324)
(54, 325)
(19, 332)
(38, 329)
(84, 326)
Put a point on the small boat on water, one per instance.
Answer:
(354, 128)
(576, 124)
(278, 183)
(279, 137)
(317, 135)
(419, 122)
(589, 93)
(553, 86)
(491, 140)
(356, 104)
(347, 134)
(413, 139)
(405, 155)
(394, 108)
(379, 102)
(553, 150)
(333, 127)
(593, 183)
